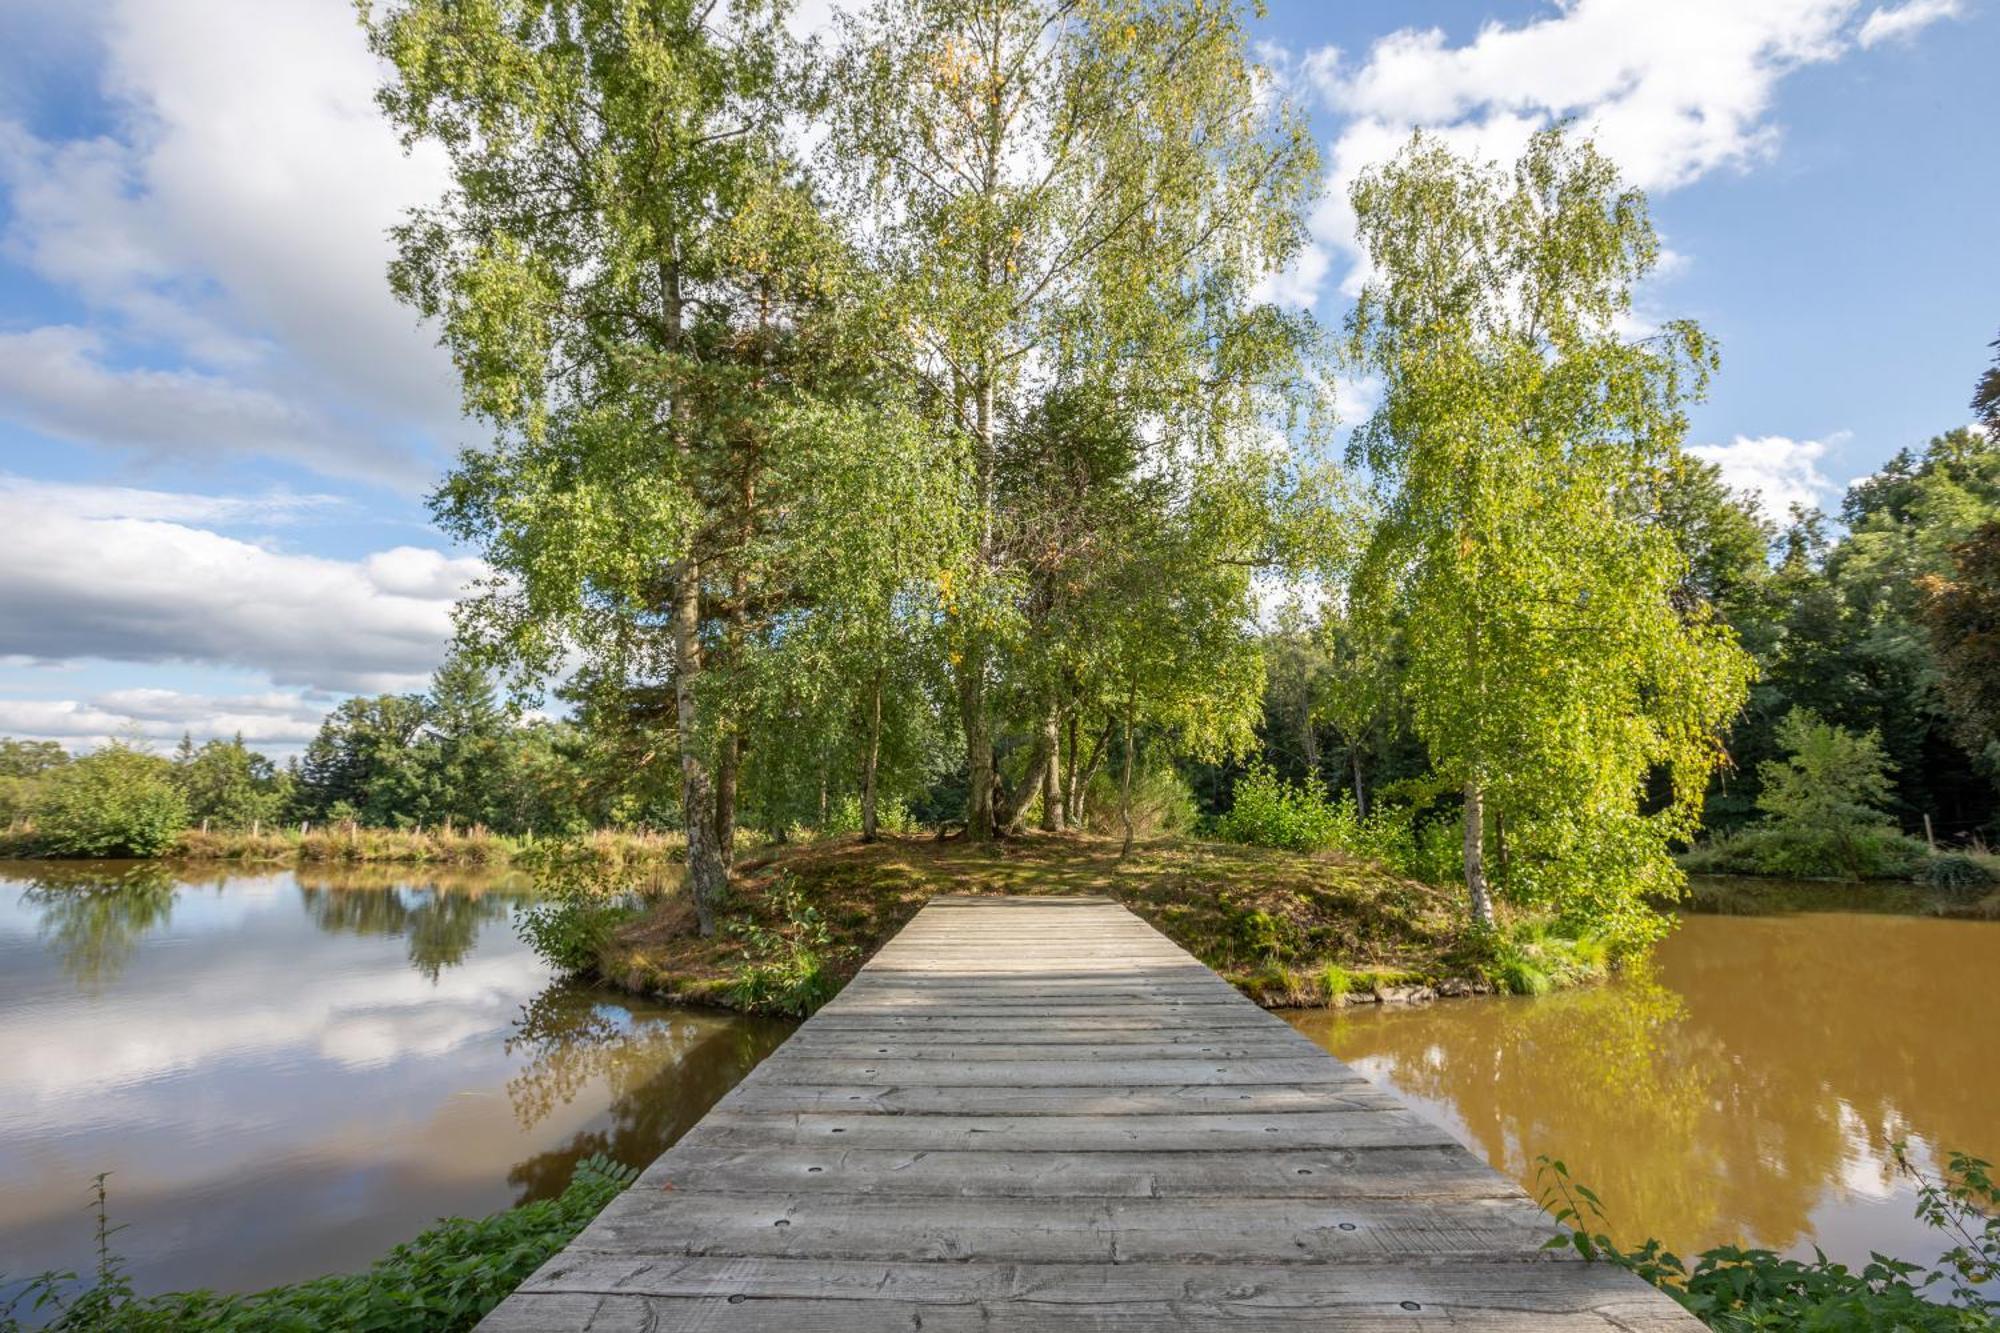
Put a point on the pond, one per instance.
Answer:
(286, 1073)
(1744, 1087)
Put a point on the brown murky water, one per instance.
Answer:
(1745, 1087)
(287, 1073)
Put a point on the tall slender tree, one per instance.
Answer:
(624, 269)
(1552, 667)
(1046, 186)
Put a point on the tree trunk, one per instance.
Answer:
(728, 763)
(1052, 806)
(1125, 789)
(1475, 854)
(869, 759)
(1009, 808)
(1072, 796)
(1309, 741)
(978, 747)
(1360, 788)
(707, 876)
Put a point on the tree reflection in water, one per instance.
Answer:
(663, 1069)
(93, 917)
(1745, 1087)
(440, 919)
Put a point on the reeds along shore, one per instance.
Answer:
(441, 845)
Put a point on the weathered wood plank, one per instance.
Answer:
(1401, 1173)
(944, 1099)
(1057, 1230)
(617, 1293)
(1372, 1128)
(1040, 1114)
(805, 1068)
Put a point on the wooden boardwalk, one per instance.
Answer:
(1038, 1113)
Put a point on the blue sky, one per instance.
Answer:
(217, 429)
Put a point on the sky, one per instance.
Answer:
(218, 429)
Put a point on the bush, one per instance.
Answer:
(788, 972)
(1732, 1288)
(579, 912)
(892, 815)
(1956, 874)
(1799, 853)
(1267, 811)
(116, 802)
(444, 1280)
(1162, 803)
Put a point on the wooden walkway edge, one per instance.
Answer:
(1038, 1113)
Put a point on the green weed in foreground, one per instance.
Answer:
(1737, 1290)
(446, 1279)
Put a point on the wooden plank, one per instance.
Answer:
(806, 1068)
(944, 1099)
(612, 1293)
(1401, 1173)
(1065, 1229)
(1034, 1113)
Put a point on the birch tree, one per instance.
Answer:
(1551, 669)
(1045, 182)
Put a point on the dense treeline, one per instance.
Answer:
(1872, 710)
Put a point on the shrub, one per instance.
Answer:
(1162, 802)
(1267, 811)
(1804, 853)
(117, 801)
(1737, 1289)
(444, 1280)
(892, 815)
(579, 911)
(1956, 874)
(788, 971)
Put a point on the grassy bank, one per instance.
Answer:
(1287, 928)
(352, 844)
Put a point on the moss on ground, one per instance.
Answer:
(1287, 929)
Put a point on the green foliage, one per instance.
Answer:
(788, 971)
(1961, 610)
(1831, 780)
(1955, 873)
(581, 907)
(1529, 957)
(446, 1279)
(892, 815)
(1334, 982)
(1862, 853)
(230, 786)
(23, 765)
(1555, 672)
(1267, 811)
(117, 801)
(1739, 1290)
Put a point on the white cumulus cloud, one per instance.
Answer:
(1906, 20)
(1671, 92)
(1779, 470)
(136, 587)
